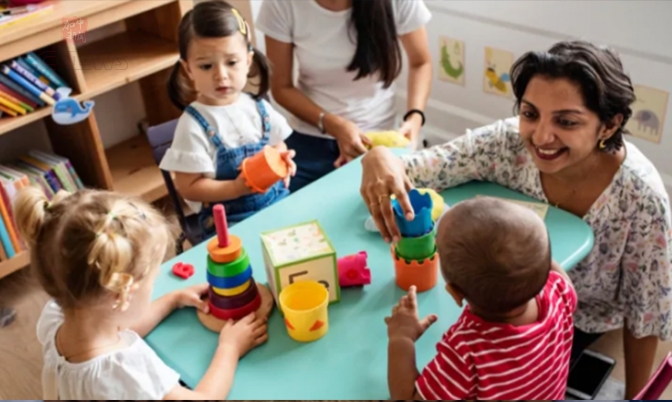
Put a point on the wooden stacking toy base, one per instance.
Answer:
(214, 324)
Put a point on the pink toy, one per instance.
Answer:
(183, 270)
(352, 270)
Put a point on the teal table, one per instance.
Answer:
(350, 361)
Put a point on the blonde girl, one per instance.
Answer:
(97, 254)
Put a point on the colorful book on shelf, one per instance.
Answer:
(34, 72)
(3, 255)
(16, 101)
(70, 169)
(28, 76)
(59, 167)
(8, 111)
(35, 177)
(16, 77)
(17, 96)
(47, 175)
(11, 186)
(4, 234)
(39, 65)
(8, 218)
(33, 11)
(9, 104)
(6, 81)
(45, 169)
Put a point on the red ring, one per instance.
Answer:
(236, 313)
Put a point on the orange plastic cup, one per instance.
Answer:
(423, 274)
(264, 169)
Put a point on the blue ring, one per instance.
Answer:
(232, 281)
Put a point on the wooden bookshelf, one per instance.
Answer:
(144, 52)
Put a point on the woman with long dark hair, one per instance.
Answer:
(349, 54)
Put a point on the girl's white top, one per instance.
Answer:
(324, 45)
(135, 372)
(237, 124)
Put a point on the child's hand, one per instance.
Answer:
(192, 297)
(244, 335)
(241, 187)
(405, 322)
(288, 156)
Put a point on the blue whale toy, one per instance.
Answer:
(68, 111)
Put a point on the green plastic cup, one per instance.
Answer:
(417, 248)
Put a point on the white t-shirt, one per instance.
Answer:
(237, 124)
(324, 48)
(135, 372)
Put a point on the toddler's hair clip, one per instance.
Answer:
(242, 25)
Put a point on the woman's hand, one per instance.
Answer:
(383, 174)
(192, 297)
(411, 130)
(351, 141)
(246, 334)
(288, 157)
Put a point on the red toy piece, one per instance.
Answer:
(352, 270)
(183, 270)
(221, 226)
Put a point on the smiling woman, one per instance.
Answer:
(566, 148)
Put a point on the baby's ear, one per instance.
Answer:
(455, 293)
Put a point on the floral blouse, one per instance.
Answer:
(627, 273)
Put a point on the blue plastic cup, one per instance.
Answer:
(422, 222)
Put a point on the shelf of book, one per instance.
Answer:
(145, 53)
(134, 171)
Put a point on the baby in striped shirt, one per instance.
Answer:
(513, 339)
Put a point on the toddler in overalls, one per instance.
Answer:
(223, 125)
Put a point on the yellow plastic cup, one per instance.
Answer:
(304, 305)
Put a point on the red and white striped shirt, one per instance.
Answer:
(481, 360)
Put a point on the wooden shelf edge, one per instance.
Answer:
(14, 264)
(134, 171)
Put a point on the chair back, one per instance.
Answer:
(160, 137)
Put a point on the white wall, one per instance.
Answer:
(638, 30)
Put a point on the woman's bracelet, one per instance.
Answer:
(418, 111)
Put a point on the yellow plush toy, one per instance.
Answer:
(437, 202)
(390, 139)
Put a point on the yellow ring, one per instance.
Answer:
(232, 291)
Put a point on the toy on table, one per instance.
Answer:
(391, 139)
(264, 169)
(438, 208)
(352, 270)
(304, 305)
(183, 270)
(416, 260)
(298, 253)
(233, 293)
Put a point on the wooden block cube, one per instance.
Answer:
(300, 252)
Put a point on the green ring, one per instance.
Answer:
(417, 248)
(229, 269)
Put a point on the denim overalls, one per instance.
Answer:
(228, 161)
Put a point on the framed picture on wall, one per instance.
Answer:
(451, 60)
(648, 113)
(496, 79)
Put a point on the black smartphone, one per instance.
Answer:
(588, 375)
